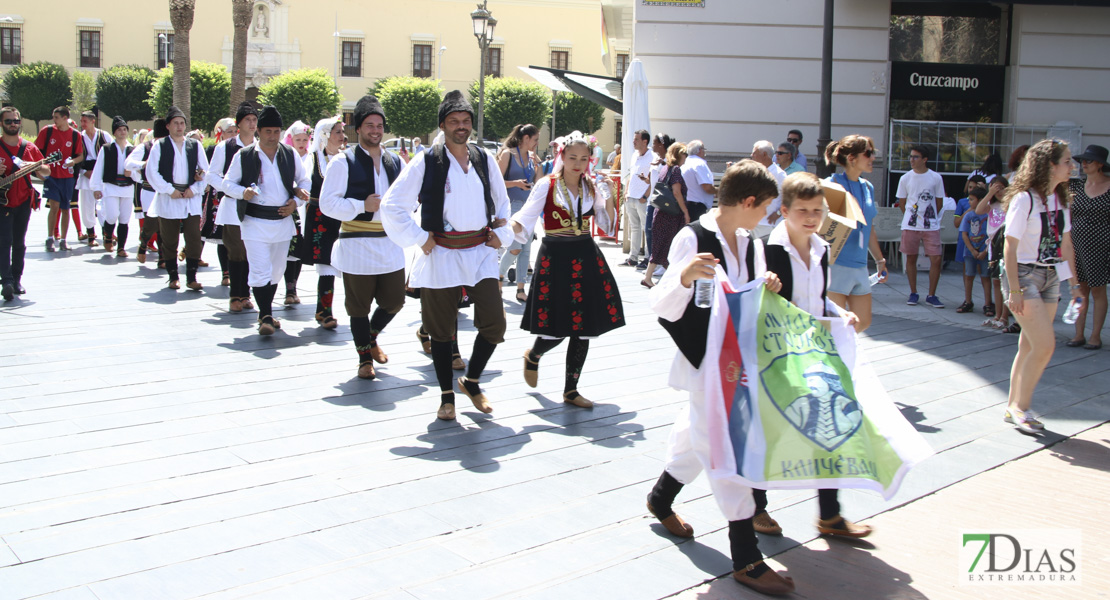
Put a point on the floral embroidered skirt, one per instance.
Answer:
(209, 230)
(320, 234)
(573, 292)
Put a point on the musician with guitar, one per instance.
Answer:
(17, 200)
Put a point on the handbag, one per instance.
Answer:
(662, 198)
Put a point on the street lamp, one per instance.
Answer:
(439, 62)
(163, 47)
(484, 24)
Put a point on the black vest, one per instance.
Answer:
(230, 148)
(317, 175)
(778, 262)
(165, 161)
(252, 165)
(360, 175)
(112, 171)
(98, 142)
(689, 332)
(432, 191)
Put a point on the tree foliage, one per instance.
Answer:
(122, 90)
(411, 104)
(210, 92)
(575, 113)
(37, 88)
(83, 87)
(306, 95)
(511, 102)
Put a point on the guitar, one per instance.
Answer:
(6, 182)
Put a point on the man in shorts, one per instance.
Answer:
(59, 187)
(921, 197)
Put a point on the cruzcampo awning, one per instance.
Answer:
(601, 89)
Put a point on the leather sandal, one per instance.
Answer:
(673, 524)
(121, 253)
(366, 370)
(235, 305)
(226, 281)
(141, 257)
(531, 370)
(446, 411)
(521, 296)
(266, 326)
(457, 363)
(175, 285)
(480, 401)
(326, 321)
(247, 304)
(425, 342)
(838, 525)
(763, 523)
(196, 286)
(379, 355)
(573, 397)
(291, 299)
(770, 582)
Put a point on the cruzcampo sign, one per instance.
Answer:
(937, 81)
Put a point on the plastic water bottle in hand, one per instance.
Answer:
(1072, 312)
(603, 187)
(874, 279)
(703, 292)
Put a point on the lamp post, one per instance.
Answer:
(439, 62)
(163, 43)
(484, 24)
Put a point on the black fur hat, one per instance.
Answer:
(454, 102)
(160, 130)
(269, 117)
(367, 105)
(117, 123)
(173, 113)
(245, 110)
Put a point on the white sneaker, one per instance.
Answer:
(659, 271)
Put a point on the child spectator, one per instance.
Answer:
(961, 209)
(973, 235)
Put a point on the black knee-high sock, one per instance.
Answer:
(91, 232)
(325, 292)
(360, 331)
(264, 297)
(378, 321)
(191, 265)
(121, 235)
(292, 273)
(745, 547)
(577, 349)
(542, 346)
(760, 500)
(828, 503)
(221, 253)
(239, 272)
(481, 354)
(441, 360)
(108, 230)
(663, 494)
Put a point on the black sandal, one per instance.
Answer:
(1013, 328)
(988, 310)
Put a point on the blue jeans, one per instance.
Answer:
(13, 241)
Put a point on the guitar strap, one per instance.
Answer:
(19, 154)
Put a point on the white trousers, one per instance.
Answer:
(733, 497)
(637, 216)
(86, 203)
(267, 262)
(116, 209)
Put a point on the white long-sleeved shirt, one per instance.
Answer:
(530, 214)
(97, 180)
(362, 255)
(136, 165)
(808, 281)
(225, 214)
(669, 298)
(175, 208)
(85, 183)
(272, 192)
(774, 205)
(464, 209)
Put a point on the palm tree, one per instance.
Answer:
(241, 17)
(181, 16)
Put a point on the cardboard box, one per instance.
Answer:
(844, 216)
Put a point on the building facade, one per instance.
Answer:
(358, 41)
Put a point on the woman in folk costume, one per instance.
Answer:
(321, 231)
(298, 136)
(573, 292)
(226, 128)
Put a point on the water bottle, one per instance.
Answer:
(1072, 313)
(603, 188)
(874, 279)
(703, 292)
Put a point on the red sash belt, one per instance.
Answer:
(460, 240)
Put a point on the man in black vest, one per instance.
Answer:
(372, 264)
(227, 218)
(176, 170)
(136, 164)
(462, 196)
(113, 187)
(269, 182)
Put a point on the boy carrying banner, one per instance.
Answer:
(695, 252)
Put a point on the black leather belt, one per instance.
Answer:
(258, 211)
(361, 234)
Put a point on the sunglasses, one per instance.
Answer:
(12, 121)
(794, 140)
(781, 152)
(869, 153)
(916, 157)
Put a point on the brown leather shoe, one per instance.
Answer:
(109, 246)
(573, 397)
(674, 524)
(458, 363)
(121, 253)
(326, 321)
(291, 299)
(480, 401)
(763, 523)
(226, 281)
(202, 263)
(175, 285)
(247, 304)
(366, 370)
(838, 525)
(770, 582)
(141, 257)
(196, 286)
(266, 327)
(379, 355)
(235, 305)
(425, 342)
(446, 412)
(531, 376)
